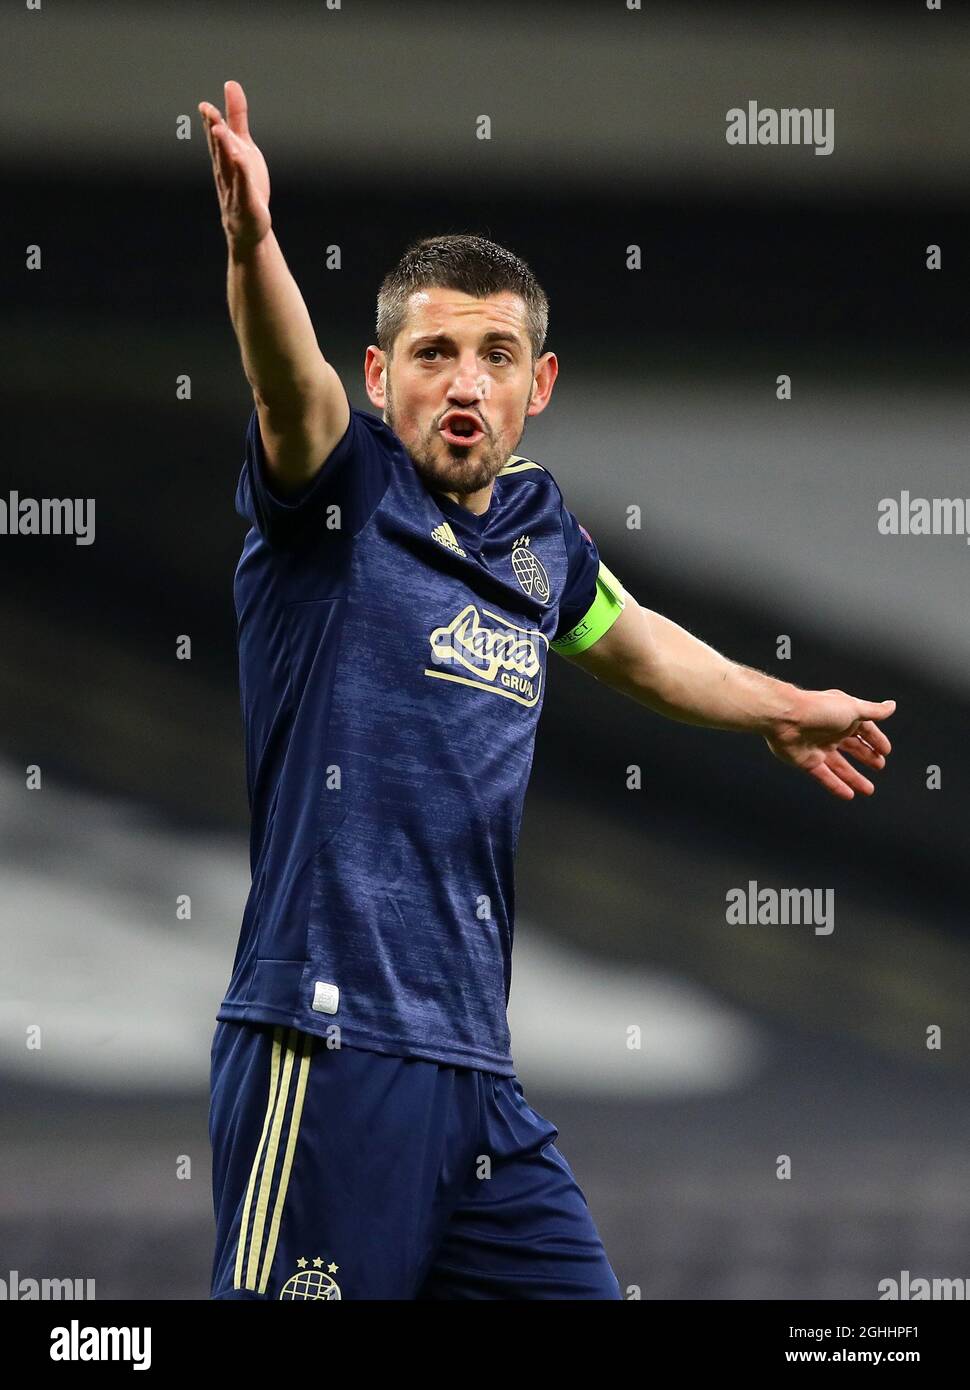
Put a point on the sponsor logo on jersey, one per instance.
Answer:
(486, 651)
(529, 570)
(445, 536)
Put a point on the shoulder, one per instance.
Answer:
(517, 464)
(526, 476)
(373, 429)
(349, 484)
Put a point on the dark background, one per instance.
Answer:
(758, 519)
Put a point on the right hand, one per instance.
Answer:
(239, 169)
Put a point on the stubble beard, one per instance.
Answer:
(445, 467)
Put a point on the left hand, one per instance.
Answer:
(825, 725)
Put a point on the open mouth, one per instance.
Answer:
(461, 429)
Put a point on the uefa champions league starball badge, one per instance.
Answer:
(528, 570)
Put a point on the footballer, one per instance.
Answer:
(405, 576)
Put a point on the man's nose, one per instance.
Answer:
(468, 382)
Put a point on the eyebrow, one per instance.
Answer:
(494, 335)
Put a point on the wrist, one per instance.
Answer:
(783, 708)
(243, 249)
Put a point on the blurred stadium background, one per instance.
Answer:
(758, 518)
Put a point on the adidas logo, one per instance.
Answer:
(444, 535)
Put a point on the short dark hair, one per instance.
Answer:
(463, 262)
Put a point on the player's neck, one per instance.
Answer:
(476, 502)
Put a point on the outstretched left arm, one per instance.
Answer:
(646, 656)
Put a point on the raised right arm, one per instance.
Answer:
(300, 400)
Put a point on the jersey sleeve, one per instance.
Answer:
(352, 480)
(592, 598)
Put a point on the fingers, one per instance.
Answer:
(223, 144)
(224, 163)
(237, 110)
(875, 737)
(210, 116)
(881, 709)
(860, 749)
(831, 782)
(850, 775)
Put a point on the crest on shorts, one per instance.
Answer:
(311, 1280)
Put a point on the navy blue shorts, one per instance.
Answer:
(341, 1173)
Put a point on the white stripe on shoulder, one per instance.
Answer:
(517, 464)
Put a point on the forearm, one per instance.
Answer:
(686, 680)
(280, 353)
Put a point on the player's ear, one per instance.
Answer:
(375, 375)
(543, 380)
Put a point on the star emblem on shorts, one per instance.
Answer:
(317, 1264)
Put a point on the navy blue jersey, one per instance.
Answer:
(393, 654)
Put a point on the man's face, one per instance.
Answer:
(460, 364)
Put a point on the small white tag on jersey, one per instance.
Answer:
(326, 997)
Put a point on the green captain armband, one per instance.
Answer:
(600, 617)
